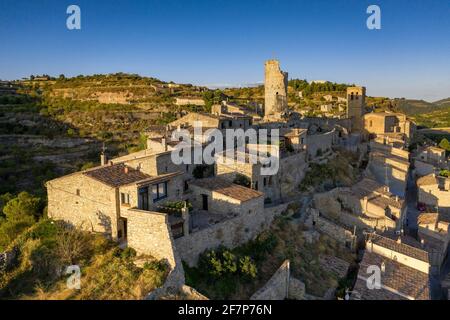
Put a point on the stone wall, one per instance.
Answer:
(339, 211)
(423, 168)
(281, 286)
(229, 233)
(7, 259)
(220, 203)
(84, 203)
(149, 233)
(316, 142)
(342, 235)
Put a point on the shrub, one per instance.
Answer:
(128, 253)
(23, 204)
(247, 267)
(242, 180)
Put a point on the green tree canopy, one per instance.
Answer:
(24, 204)
(444, 144)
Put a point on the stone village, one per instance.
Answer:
(378, 217)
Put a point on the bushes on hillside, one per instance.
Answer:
(222, 272)
(107, 272)
(242, 180)
(19, 213)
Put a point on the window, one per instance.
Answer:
(124, 198)
(78, 192)
(187, 168)
(159, 191)
(370, 123)
(265, 182)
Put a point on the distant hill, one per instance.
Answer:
(412, 107)
(443, 102)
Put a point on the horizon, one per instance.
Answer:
(226, 42)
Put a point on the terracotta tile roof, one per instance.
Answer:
(116, 175)
(409, 282)
(427, 180)
(376, 193)
(436, 149)
(428, 218)
(399, 247)
(227, 188)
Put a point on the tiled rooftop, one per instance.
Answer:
(376, 193)
(427, 180)
(396, 277)
(228, 189)
(116, 175)
(399, 247)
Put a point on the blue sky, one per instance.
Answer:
(227, 41)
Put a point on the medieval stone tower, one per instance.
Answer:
(275, 89)
(356, 102)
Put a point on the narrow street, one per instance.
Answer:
(411, 202)
(411, 228)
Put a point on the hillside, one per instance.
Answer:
(411, 107)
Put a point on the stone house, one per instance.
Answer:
(429, 159)
(326, 108)
(380, 123)
(328, 97)
(292, 166)
(433, 233)
(433, 191)
(95, 199)
(221, 196)
(389, 166)
(367, 204)
(404, 271)
(183, 101)
(222, 121)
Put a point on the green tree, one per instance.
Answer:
(444, 144)
(248, 267)
(24, 204)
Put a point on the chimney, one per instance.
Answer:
(185, 216)
(399, 239)
(103, 160)
(383, 267)
(125, 169)
(164, 143)
(422, 243)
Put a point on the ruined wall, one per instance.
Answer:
(335, 231)
(94, 209)
(275, 88)
(291, 173)
(189, 119)
(219, 203)
(281, 286)
(149, 233)
(323, 142)
(230, 233)
(339, 211)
